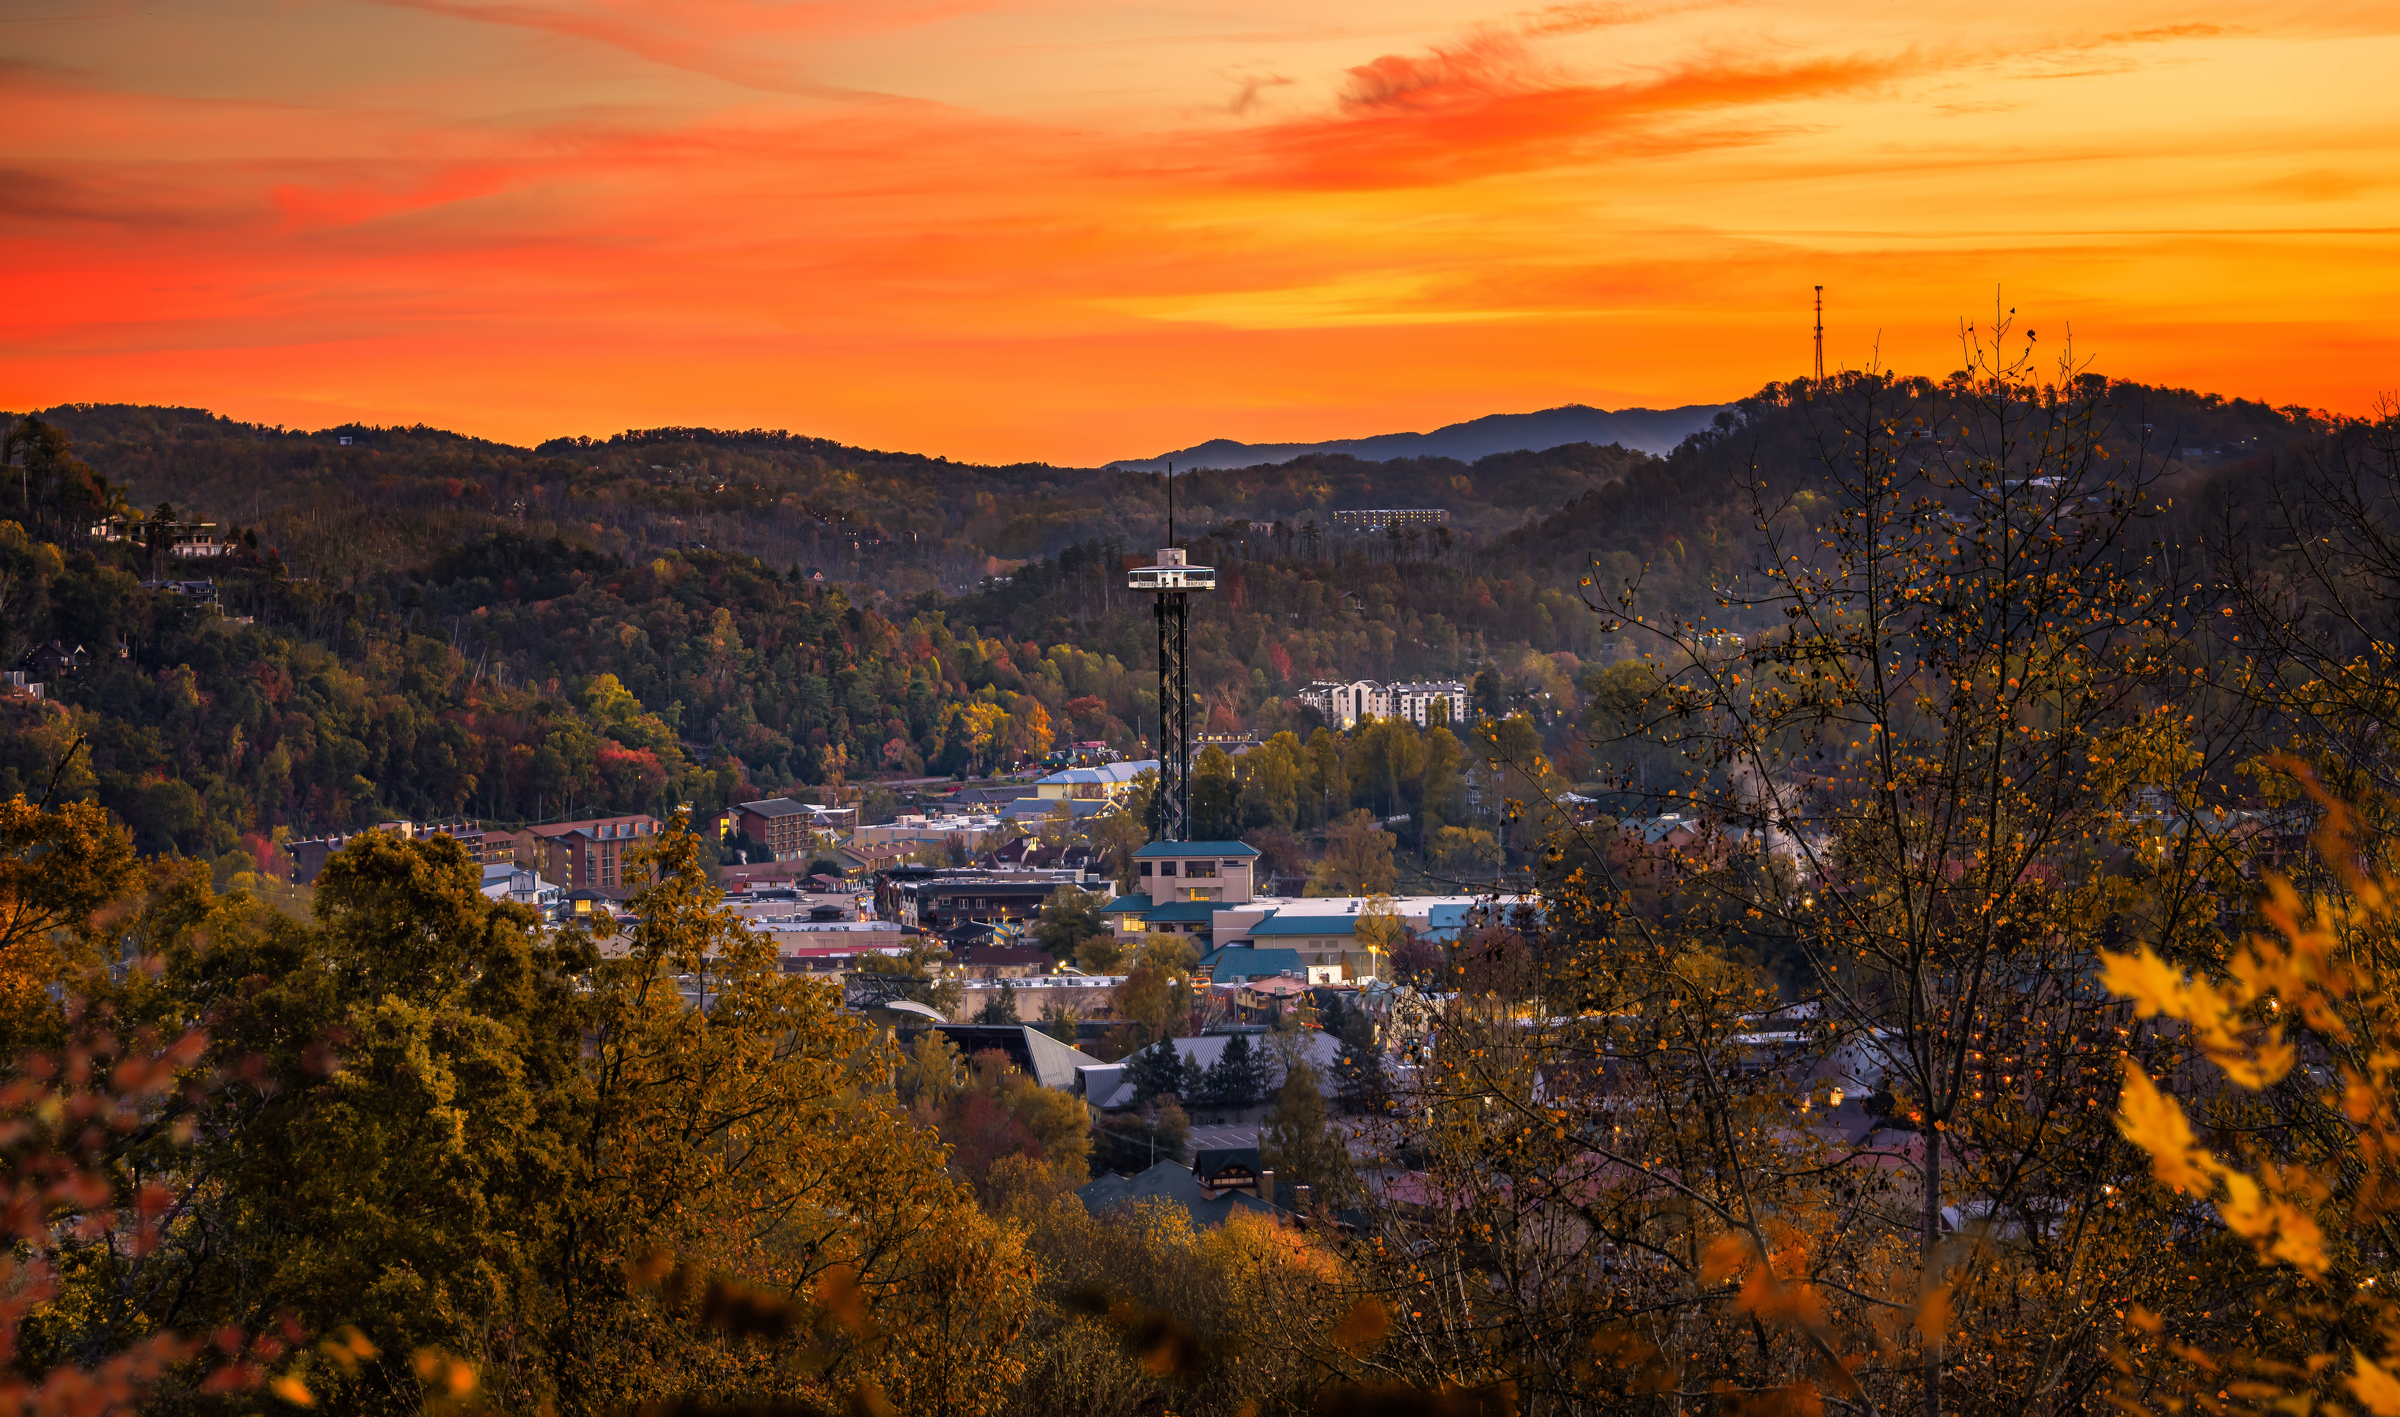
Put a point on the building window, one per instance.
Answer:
(1199, 868)
(1145, 868)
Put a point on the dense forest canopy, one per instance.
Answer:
(413, 622)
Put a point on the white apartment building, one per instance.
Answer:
(1422, 703)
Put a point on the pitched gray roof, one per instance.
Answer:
(1048, 1061)
(1168, 1181)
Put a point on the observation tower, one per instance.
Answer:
(1172, 580)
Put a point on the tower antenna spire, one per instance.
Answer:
(1820, 334)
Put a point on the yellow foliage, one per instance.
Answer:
(291, 1390)
(2374, 1386)
(2155, 1122)
(2317, 980)
(59, 867)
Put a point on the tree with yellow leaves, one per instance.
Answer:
(425, 1121)
(754, 1138)
(2282, 1126)
(59, 868)
(1913, 789)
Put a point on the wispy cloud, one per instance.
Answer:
(743, 42)
(1491, 104)
(536, 218)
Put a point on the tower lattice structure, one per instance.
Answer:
(1172, 580)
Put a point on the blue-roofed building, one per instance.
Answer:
(1033, 811)
(1181, 917)
(1183, 885)
(1236, 964)
(1195, 870)
(1446, 924)
(1105, 781)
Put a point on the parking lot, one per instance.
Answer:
(1223, 1138)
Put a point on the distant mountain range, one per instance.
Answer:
(1652, 430)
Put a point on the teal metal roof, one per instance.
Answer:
(1288, 925)
(1447, 923)
(1178, 912)
(1126, 905)
(1159, 849)
(1234, 965)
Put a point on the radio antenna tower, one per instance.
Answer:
(1172, 580)
(1820, 334)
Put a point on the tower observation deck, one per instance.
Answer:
(1172, 579)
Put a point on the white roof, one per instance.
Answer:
(1105, 773)
(1405, 906)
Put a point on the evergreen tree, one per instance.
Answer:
(1358, 1069)
(1297, 1144)
(1157, 1069)
(1237, 1078)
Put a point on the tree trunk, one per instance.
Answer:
(1929, 1244)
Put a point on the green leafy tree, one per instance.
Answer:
(999, 1005)
(399, 1161)
(1215, 796)
(1068, 918)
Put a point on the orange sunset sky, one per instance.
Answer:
(1072, 231)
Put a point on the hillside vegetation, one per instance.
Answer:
(419, 623)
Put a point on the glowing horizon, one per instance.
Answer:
(1061, 231)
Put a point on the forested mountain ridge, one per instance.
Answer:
(352, 501)
(442, 624)
(1650, 430)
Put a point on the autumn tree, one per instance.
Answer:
(1157, 992)
(986, 1111)
(58, 868)
(1933, 751)
(1357, 859)
(1914, 788)
(2286, 1128)
(754, 1140)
